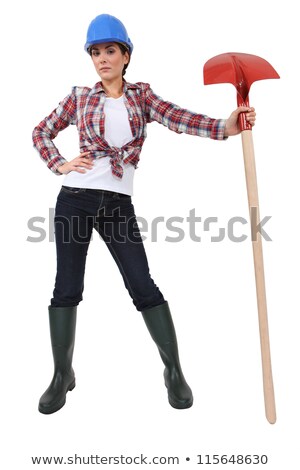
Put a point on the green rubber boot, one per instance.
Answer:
(160, 325)
(62, 332)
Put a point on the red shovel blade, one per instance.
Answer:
(239, 69)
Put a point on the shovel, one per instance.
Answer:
(242, 70)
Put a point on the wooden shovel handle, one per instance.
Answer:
(250, 171)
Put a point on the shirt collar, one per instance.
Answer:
(98, 87)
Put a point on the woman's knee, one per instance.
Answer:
(66, 298)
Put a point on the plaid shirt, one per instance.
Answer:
(84, 107)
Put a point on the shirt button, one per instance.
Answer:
(130, 119)
(120, 153)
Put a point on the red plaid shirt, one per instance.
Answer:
(84, 107)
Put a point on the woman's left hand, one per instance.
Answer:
(232, 124)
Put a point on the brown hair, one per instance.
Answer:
(124, 49)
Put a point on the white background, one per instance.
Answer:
(120, 403)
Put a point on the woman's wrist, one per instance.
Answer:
(62, 168)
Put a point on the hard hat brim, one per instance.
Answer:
(102, 41)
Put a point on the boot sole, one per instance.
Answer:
(178, 405)
(49, 411)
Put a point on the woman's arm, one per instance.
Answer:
(44, 133)
(181, 120)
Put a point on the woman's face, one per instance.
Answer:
(109, 60)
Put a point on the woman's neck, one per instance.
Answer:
(114, 88)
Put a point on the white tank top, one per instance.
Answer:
(117, 133)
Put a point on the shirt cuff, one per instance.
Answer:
(218, 130)
(55, 163)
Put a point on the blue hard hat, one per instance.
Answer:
(107, 28)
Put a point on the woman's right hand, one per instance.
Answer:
(77, 164)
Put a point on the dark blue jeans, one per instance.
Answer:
(79, 211)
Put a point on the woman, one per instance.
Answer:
(111, 119)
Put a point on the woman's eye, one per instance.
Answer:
(111, 51)
(95, 53)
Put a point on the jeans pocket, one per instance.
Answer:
(121, 196)
(125, 197)
(72, 190)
